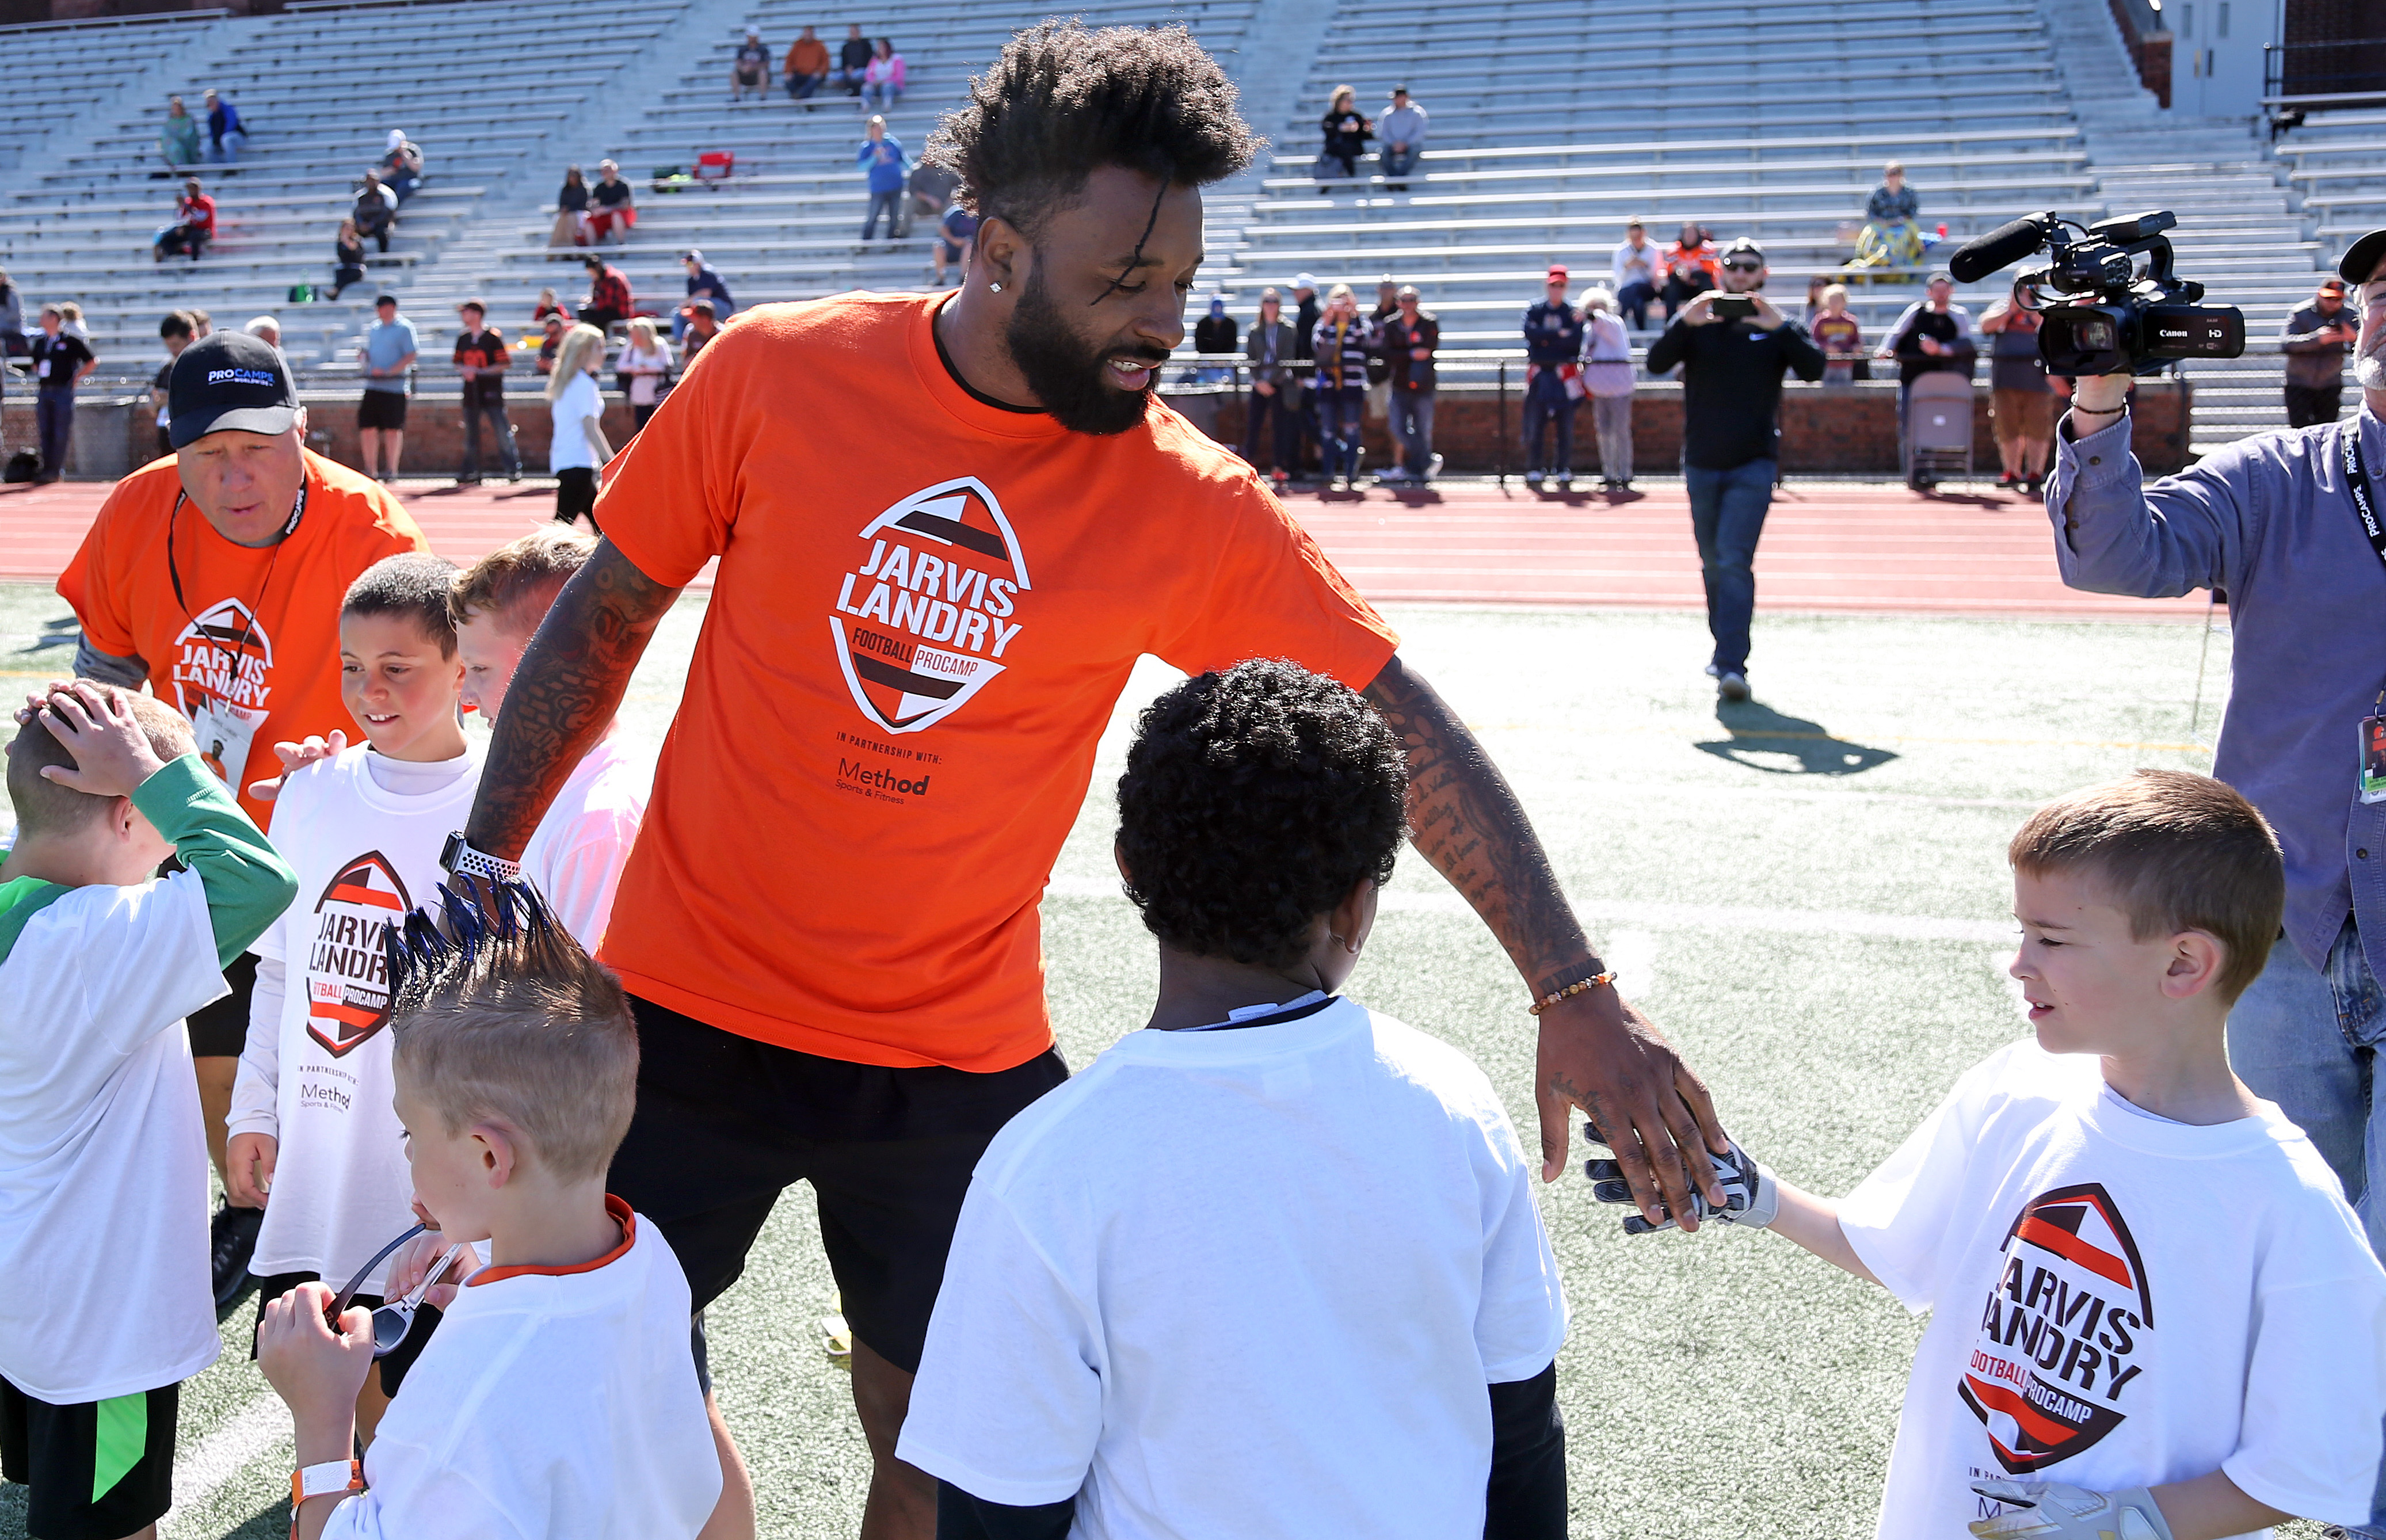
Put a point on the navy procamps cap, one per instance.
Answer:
(2362, 258)
(230, 380)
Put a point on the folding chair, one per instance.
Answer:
(1934, 437)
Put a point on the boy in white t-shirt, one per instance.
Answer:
(575, 855)
(2153, 1315)
(1271, 1267)
(106, 1305)
(558, 1398)
(313, 1140)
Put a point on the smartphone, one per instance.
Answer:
(1733, 306)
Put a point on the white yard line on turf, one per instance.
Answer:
(247, 1436)
(1714, 917)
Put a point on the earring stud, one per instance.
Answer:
(994, 288)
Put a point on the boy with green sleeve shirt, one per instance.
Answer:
(102, 1165)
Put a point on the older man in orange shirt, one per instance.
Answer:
(807, 65)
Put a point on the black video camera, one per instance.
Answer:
(2121, 321)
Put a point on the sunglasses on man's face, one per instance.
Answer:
(1742, 265)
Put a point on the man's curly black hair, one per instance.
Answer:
(1062, 99)
(1253, 801)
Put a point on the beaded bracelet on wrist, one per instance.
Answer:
(1580, 986)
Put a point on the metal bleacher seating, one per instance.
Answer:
(59, 71)
(786, 223)
(319, 86)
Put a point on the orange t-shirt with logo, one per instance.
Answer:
(249, 650)
(925, 610)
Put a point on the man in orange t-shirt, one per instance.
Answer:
(216, 578)
(829, 923)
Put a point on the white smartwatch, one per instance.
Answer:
(459, 859)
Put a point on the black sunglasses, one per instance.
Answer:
(1743, 264)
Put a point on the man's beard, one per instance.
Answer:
(2370, 365)
(1066, 374)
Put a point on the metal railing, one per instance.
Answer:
(2302, 77)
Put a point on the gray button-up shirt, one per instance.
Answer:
(2267, 520)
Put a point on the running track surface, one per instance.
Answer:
(1841, 546)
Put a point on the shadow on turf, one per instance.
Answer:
(1764, 739)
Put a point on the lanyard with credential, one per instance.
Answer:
(174, 575)
(2356, 482)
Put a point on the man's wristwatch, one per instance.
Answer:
(459, 859)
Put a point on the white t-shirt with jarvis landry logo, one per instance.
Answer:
(2120, 1300)
(316, 1072)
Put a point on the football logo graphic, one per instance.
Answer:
(927, 612)
(2052, 1366)
(348, 975)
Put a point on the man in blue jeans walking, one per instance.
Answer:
(1732, 365)
(881, 155)
(2277, 521)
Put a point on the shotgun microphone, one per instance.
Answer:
(2002, 246)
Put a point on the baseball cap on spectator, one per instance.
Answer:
(1941, 275)
(2333, 286)
(2362, 258)
(1270, 293)
(692, 254)
(1557, 272)
(475, 302)
(228, 382)
(1400, 91)
(1304, 281)
(699, 308)
(1744, 246)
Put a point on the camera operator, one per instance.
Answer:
(1731, 436)
(2277, 522)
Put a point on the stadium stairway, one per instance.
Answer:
(2239, 232)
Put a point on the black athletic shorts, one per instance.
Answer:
(99, 1470)
(383, 410)
(725, 1123)
(221, 1030)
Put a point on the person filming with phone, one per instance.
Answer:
(2287, 523)
(1733, 347)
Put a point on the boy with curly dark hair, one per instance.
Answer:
(1251, 1273)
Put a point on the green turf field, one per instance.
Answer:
(1808, 894)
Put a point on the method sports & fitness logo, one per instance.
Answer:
(2052, 1364)
(926, 614)
(347, 972)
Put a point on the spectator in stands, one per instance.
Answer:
(12, 319)
(852, 61)
(1270, 349)
(375, 210)
(702, 283)
(610, 299)
(401, 166)
(61, 360)
(1304, 332)
(1731, 435)
(481, 356)
(1402, 134)
(557, 325)
(388, 356)
(347, 257)
(1840, 337)
(930, 187)
(2314, 339)
(72, 315)
(643, 369)
(954, 234)
(807, 65)
(265, 328)
(578, 446)
(176, 333)
(1608, 380)
(202, 324)
(1342, 339)
(1815, 284)
(1410, 338)
(1933, 336)
(178, 137)
(1216, 331)
(882, 78)
(548, 305)
(570, 212)
(1893, 235)
(226, 133)
(1379, 367)
(1347, 132)
(613, 208)
(2021, 404)
(702, 327)
(750, 70)
(1552, 380)
(1691, 268)
(193, 226)
(881, 158)
(1638, 267)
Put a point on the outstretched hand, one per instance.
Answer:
(111, 750)
(297, 756)
(1599, 1054)
(1750, 1195)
